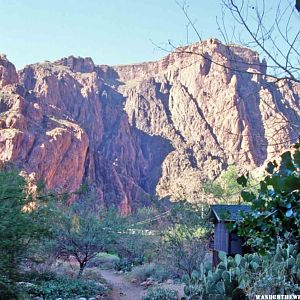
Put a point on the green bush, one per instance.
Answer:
(275, 215)
(22, 229)
(126, 265)
(141, 273)
(161, 294)
(161, 274)
(156, 272)
(35, 276)
(244, 277)
(104, 260)
(123, 264)
(64, 288)
(7, 289)
(185, 240)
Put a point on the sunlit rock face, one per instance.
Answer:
(152, 128)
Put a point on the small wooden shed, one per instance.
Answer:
(224, 240)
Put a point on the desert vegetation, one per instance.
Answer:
(51, 249)
(273, 234)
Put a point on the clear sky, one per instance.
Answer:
(110, 31)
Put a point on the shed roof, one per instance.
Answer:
(228, 212)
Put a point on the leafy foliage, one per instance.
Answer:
(64, 287)
(227, 188)
(104, 260)
(23, 225)
(244, 277)
(81, 232)
(275, 215)
(134, 247)
(156, 272)
(126, 265)
(7, 288)
(138, 242)
(185, 240)
(161, 294)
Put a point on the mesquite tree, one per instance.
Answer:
(82, 232)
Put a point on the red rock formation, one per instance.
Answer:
(8, 74)
(158, 127)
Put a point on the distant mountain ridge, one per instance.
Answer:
(137, 130)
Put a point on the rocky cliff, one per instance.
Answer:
(158, 127)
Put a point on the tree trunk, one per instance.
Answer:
(81, 268)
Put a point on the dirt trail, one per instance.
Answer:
(122, 288)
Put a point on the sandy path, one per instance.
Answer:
(122, 288)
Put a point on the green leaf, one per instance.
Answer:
(297, 158)
(248, 196)
(237, 271)
(242, 284)
(291, 262)
(230, 226)
(195, 275)
(220, 287)
(187, 290)
(287, 162)
(270, 167)
(226, 276)
(254, 265)
(290, 183)
(263, 187)
(243, 180)
(185, 278)
(238, 259)
(223, 256)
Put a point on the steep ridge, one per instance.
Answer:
(136, 130)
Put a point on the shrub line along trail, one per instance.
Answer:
(122, 288)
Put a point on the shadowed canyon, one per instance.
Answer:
(152, 128)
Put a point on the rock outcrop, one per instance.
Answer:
(136, 130)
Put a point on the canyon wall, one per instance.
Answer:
(153, 128)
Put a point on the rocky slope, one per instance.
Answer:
(158, 127)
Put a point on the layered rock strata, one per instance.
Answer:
(152, 128)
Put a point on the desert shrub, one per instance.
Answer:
(161, 294)
(123, 265)
(225, 188)
(161, 274)
(7, 289)
(58, 268)
(244, 277)
(186, 238)
(36, 276)
(104, 260)
(22, 229)
(141, 273)
(126, 264)
(135, 245)
(156, 272)
(64, 288)
(93, 274)
(82, 231)
(135, 248)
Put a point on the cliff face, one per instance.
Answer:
(157, 127)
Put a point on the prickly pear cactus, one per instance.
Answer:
(244, 277)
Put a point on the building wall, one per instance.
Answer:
(221, 238)
(235, 244)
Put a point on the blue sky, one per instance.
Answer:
(110, 31)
